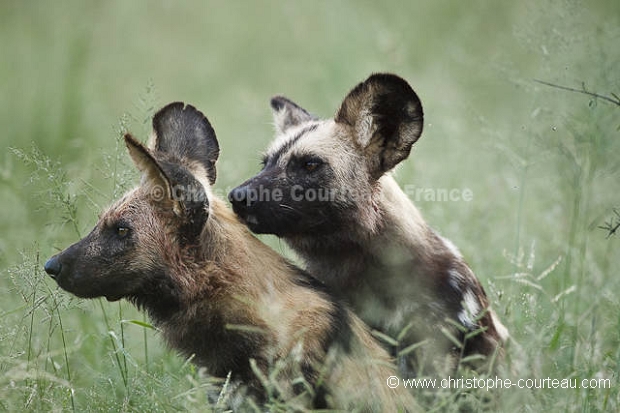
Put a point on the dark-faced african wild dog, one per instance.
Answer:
(215, 291)
(326, 189)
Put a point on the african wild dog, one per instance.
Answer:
(339, 208)
(215, 291)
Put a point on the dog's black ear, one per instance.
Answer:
(183, 132)
(385, 117)
(287, 114)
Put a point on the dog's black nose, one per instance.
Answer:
(53, 267)
(239, 198)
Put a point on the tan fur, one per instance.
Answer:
(295, 316)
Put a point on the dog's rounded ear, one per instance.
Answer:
(384, 116)
(183, 132)
(287, 114)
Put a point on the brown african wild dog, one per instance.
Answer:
(215, 291)
(325, 188)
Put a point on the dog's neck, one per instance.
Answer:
(397, 232)
(400, 220)
(224, 288)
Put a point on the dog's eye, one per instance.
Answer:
(311, 165)
(122, 231)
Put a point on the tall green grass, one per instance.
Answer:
(542, 163)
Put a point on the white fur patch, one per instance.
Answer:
(200, 174)
(470, 310)
(364, 128)
(502, 331)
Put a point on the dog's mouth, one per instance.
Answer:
(254, 224)
(112, 298)
(251, 219)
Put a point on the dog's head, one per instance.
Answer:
(320, 174)
(130, 250)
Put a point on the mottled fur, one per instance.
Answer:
(216, 292)
(365, 238)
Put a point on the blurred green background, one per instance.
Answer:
(542, 164)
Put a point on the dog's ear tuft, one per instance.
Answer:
(172, 186)
(147, 164)
(385, 117)
(183, 132)
(287, 114)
